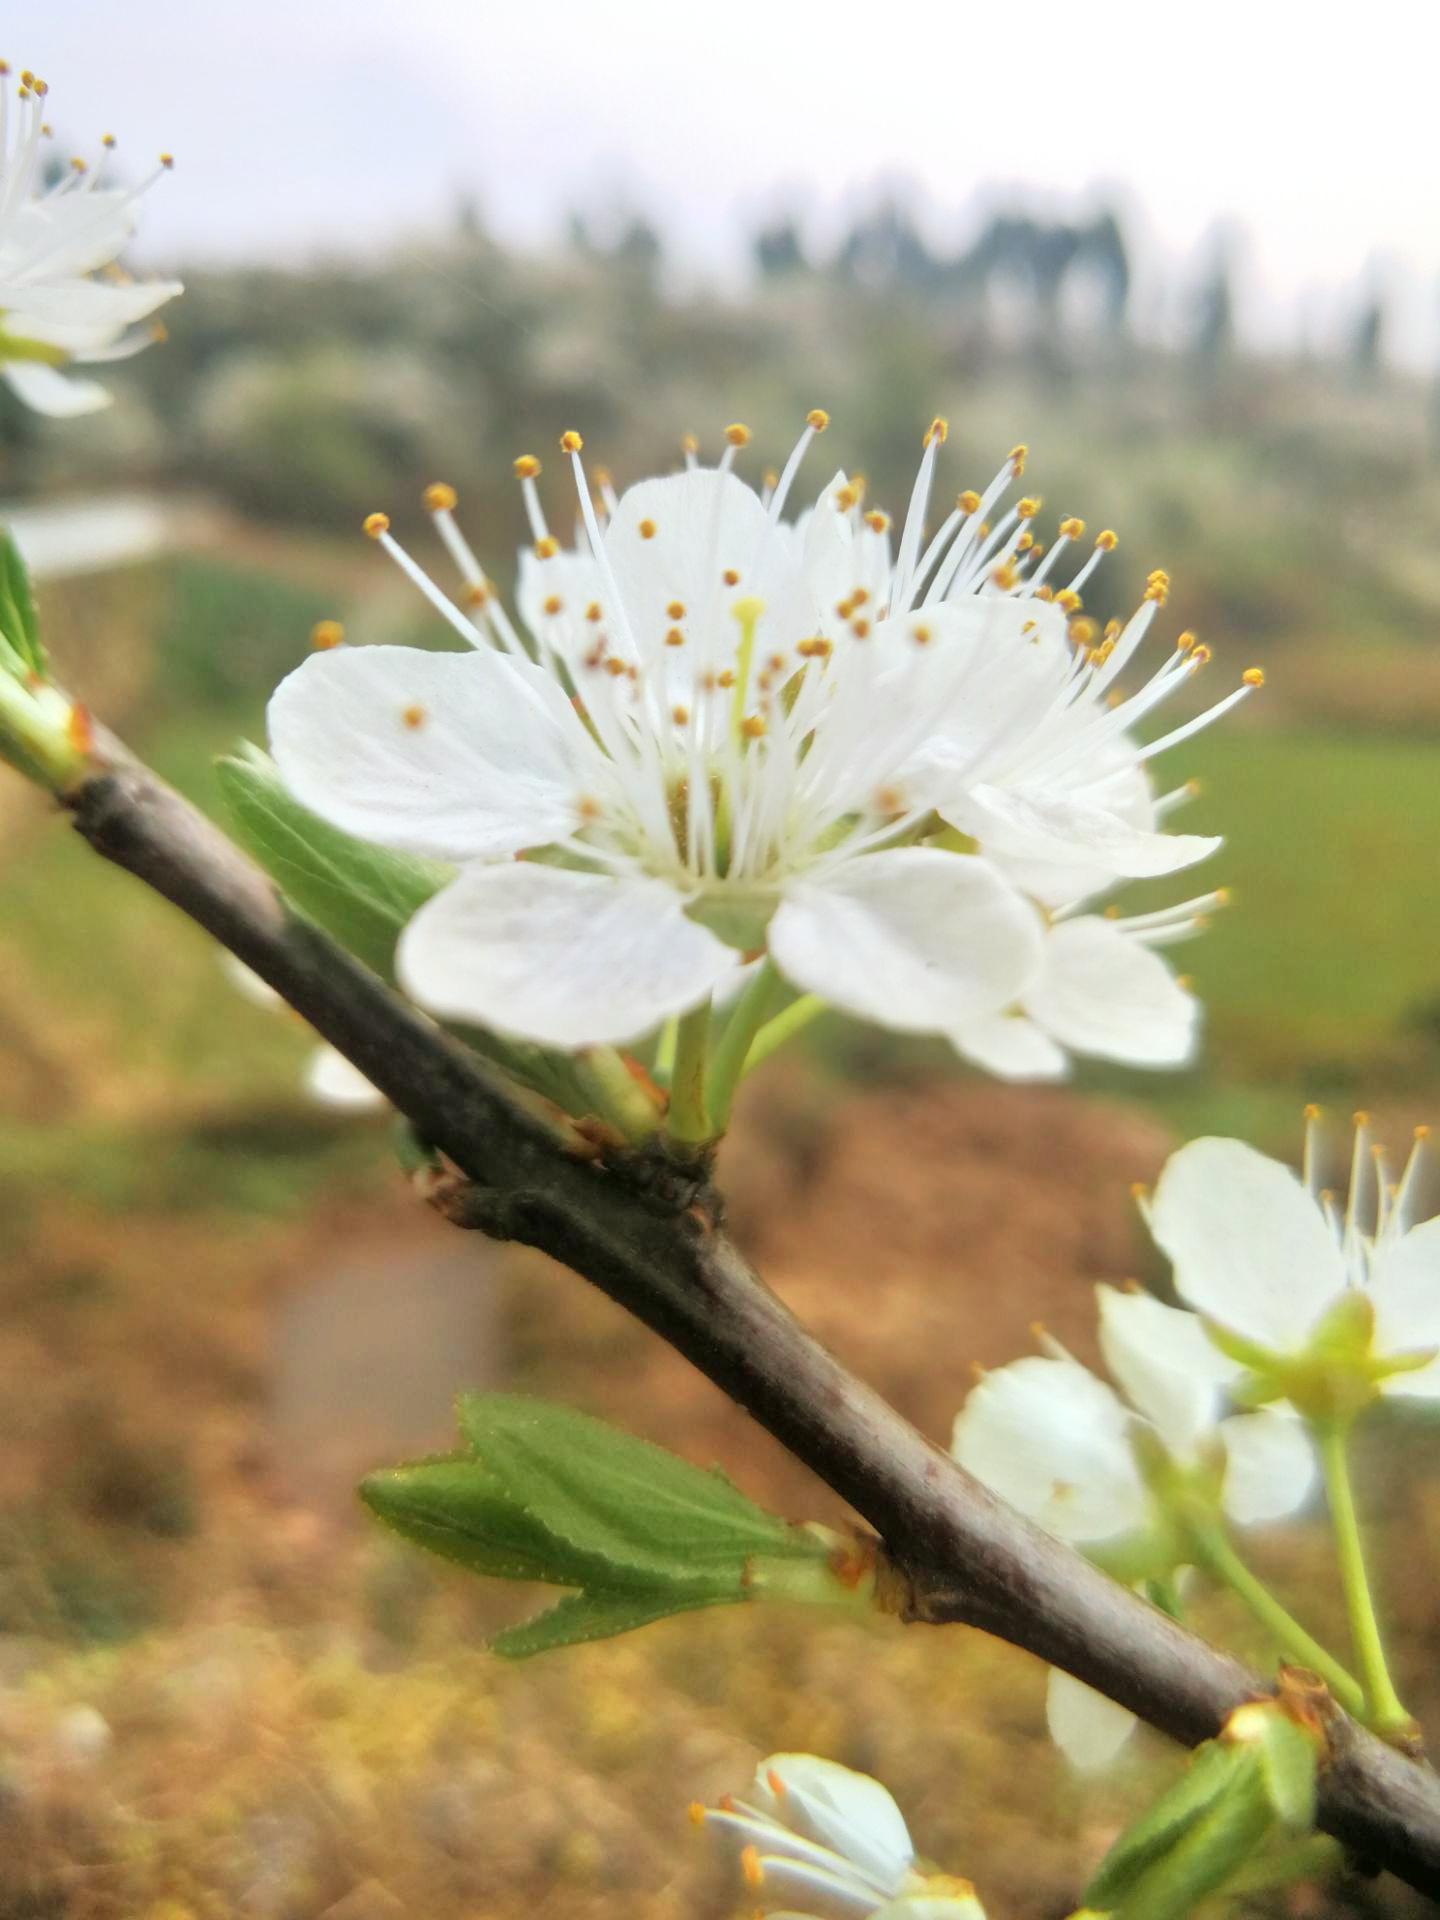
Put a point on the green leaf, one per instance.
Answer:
(596, 1616)
(1163, 1825)
(19, 623)
(1213, 1847)
(607, 1492)
(453, 1507)
(1288, 1763)
(362, 895)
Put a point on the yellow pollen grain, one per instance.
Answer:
(593, 611)
(477, 595)
(696, 1814)
(860, 629)
(921, 635)
(1201, 656)
(1025, 542)
(1254, 676)
(680, 715)
(688, 443)
(1422, 1132)
(587, 807)
(1361, 1117)
(877, 521)
(846, 498)
(730, 577)
(1107, 540)
(753, 727)
(676, 610)
(1005, 576)
(107, 140)
(844, 608)
(376, 523)
(938, 431)
(777, 663)
(1157, 577)
(647, 529)
(674, 638)
(1138, 1190)
(554, 604)
(725, 679)
(1028, 507)
(614, 667)
(968, 501)
(815, 648)
(1044, 593)
(817, 419)
(770, 478)
(1310, 1112)
(1158, 594)
(167, 160)
(1018, 456)
(77, 165)
(1185, 642)
(750, 1867)
(439, 497)
(570, 441)
(527, 467)
(1083, 632)
(1069, 600)
(326, 634)
(738, 434)
(546, 547)
(1072, 527)
(414, 717)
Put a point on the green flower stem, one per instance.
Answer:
(1386, 1713)
(809, 1582)
(783, 1027)
(689, 1120)
(618, 1096)
(1214, 1552)
(761, 1001)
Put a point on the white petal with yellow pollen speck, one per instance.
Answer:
(563, 958)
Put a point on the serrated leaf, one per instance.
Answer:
(598, 1616)
(608, 1493)
(362, 895)
(19, 622)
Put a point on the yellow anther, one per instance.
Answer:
(674, 638)
(1157, 577)
(877, 521)
(1072, 528)
(647, 529)
(1108, 540)
(860, 629)
(730, 577)
(1185, 642)
(968, 501)
(414, 717)
(697, 1814)
(602, 476)
(326, 634)
(750, 1868)
(815, 648)
(527, 467)
(1311, 1112)
(1083, 632)
(377, 523)
(844, 608)
(680, 715)
(107, 140)
(752, 727)
(921, 634)
(1361, 1118)
(676, 610)
(478, 594)
(1044, 593)
(1158, 594)
(1422, 1132)
(1018, 457)
(1025, 542)
(594, 611)
(738, 434)
(859, 596)
(889, 800)
(818, 419)
(1069, 600)
(1254, 676)
(1201, 656)
(588, 807)
(570, 441)
(770, 478)
(938, 431)
(1139, 1190)
(546, 547)
(688, 443)
(554, 604)
(167, 160)
(614, 667)
(847, 497)
(726, 678)
(439, 497)
(1028, 507)
(77, 165)
(1005, 577)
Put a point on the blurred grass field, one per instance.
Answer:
(295, 1715)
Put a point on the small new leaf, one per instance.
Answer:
(554, 1496)
(19, 623)
(362, 895)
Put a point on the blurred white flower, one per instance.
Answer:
(1286, 1276)
(329, 1077)
(1058, 1443)
(814, 1838)
(53, 239)
(760, 758)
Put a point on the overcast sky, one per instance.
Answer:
(301, 123)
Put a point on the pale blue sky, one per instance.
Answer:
(325, 122)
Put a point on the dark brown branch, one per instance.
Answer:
(961, 1554)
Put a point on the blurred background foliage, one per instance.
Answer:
(218, 1692)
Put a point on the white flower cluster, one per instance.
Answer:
(55, 237)
(901, 770)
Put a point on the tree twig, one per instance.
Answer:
(959, 1554)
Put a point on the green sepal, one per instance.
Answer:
(1160, 1828)
(19, 622)
(362, 895)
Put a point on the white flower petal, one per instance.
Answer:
(1249, 1246)
(77, 313)
(1102, 993)
(826, 1895)
(334, 1082)
(930, 1906)
(1270, 1467)
(1011, 1047)
(1165, 1363)
(562, 958)
(48, 390)
(1405, 1292)
(1050, 1438)
(462, 755)
(1038, 824)
(914, 939)
(1088, 1729)
(842, 1809)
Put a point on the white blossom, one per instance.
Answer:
(1059, 1443)
(890, 787)
(814, 1838)
(54, 240)
(329, 1077)
(1267, 1256)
